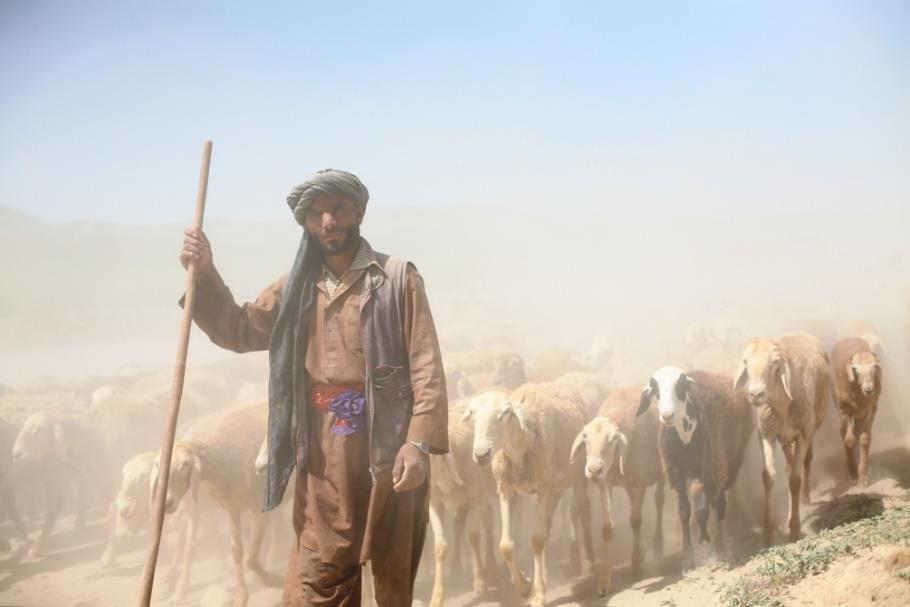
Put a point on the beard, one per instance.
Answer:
(350, 240)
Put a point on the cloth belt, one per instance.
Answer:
(322, 395)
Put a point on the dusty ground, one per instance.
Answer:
(70, 574)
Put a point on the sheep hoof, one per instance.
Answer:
(523, 585)
(604, 587)
(539, 600)
(688, 562)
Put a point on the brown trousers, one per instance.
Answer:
(341, 520)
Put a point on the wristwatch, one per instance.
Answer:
(424, 447)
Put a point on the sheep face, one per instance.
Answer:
(604, 443)
(508, 372)
(864, 371)
(39, 436)
(763, 365)
(131, 502)
(490, 413)
(670, 386)
(184, 476)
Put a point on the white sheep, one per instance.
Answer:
(857, 387)
(219, 452)
(90, 445)
(457, 483)
(704, 431)
(131, 511)
(527, 435)
(788, 380)
(619, 450)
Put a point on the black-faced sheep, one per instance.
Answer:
(704, 432)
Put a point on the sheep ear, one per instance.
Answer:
(576, 446)
(647, 395)
(466, 416)
(519, 415)
(622, 445)
(60, 443)
(153, 482)
(739, 380)
(195, 477)
(786, 377)
(851, 373)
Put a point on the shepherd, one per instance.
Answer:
(357, 395)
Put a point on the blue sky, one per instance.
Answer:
(712, 107)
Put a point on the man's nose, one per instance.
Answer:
(328, 222)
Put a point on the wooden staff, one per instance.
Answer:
(167, 443)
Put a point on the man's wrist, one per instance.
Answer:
(422, 446)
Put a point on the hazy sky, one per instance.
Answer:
(726, 107)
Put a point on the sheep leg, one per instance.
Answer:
(9, 505)
(685, 513)
(636, 498)
(186, 545)
(804, 483)
(473, 526)
(458, 525)
(583, 526)
(107, 558)
(701, 511)
(241, 595)
(659, 530)
(261, 523)
(795, 457)
(849, 439)
(546, 504)
(53, 500)
(605, 581)
(507, 505)
(170, 582)
(767, 477)
(437, 512)
(720, 510)
(487, 517)
(865, 442)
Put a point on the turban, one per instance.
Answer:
(327, 181)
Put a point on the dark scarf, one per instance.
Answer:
(287, 348)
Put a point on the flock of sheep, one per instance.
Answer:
(542, 429)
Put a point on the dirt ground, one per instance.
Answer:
(70, 575)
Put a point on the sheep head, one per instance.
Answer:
(604, 443)
(763, 365)
(131, 502)
(491, 413)
(41, 435)
(508, 371)
(186, 470)
(672, 388)
(865, 371)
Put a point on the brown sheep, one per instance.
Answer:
(788, 381)
(857, 386)
(619, 452)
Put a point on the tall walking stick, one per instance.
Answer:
(167, 442)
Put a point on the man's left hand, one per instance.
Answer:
(410, 470)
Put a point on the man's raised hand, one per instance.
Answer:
(196, 248)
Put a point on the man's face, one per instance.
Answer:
(334, 221)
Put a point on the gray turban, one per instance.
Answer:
(326, 181)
